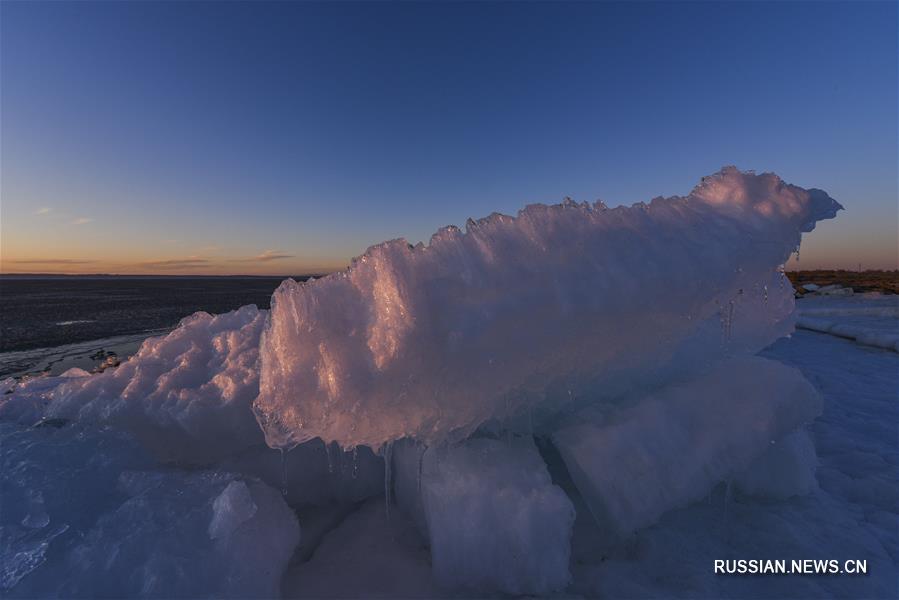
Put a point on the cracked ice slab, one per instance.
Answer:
(522, 314)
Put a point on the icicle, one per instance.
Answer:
(387, 483)
(421, 460)
(765, 292)
(330, 461)
(355, 461)
(283, 473)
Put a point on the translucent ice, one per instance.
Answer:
(665, 450)
(231, 509)
(494, 519)
(527, 313)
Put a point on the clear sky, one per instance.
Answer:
(278, 137)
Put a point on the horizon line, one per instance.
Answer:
(324, 273)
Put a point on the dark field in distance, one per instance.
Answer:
(52, 311)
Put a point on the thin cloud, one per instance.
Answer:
(43, 211)
(53, 261)
(175, 263)
(267, 256)
(82, 221)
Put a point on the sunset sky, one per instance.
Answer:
(285, 138)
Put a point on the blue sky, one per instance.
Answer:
(278, 137)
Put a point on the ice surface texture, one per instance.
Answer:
(493, 517)
(187, 395)
(526, 313)
(671, 447)
(86, 513)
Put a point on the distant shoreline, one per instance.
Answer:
(871, 280)
(803, 274)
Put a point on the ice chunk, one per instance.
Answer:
(531, 312)
(186, 395)
(667, 450)
(75, 372)
(233, 507)
(787, 468)
(495, 521)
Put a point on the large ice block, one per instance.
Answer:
(525, 314)
(494, 519)
(668, 449)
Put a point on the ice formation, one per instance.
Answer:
(667, 449)
(493, 517)
(624, 336)
(187, 395)
(526, 312)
